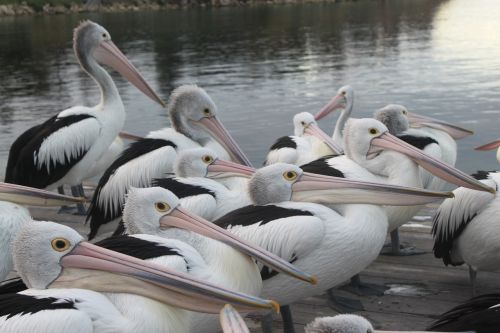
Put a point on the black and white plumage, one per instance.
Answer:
(193, 116)
(308, 143)
(65, 147)
(465, 228)
(480, 314)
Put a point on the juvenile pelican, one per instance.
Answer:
(49, 255)
(65, 147)
(194, 120)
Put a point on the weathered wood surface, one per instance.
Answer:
(436, 288)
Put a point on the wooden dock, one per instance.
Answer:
(421, 287)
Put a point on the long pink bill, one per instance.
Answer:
(223, 169)
(129, 136)
(489, 146)
(431, 164)
(109, 54)
(96, 268)
(317, 132)
(337, 102)
(180, 218)
(24, 195)
(231, 321)
(334, 190)
(456, 132)
(220, 133)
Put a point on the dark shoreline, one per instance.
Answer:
(139, 5)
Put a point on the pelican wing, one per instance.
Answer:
(454, 215)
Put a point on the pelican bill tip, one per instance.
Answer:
(313, 280)
(275, 306)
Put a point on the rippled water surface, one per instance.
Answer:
(263, 64)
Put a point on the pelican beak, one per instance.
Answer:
(24, 195)
(231, 321)
(89, 266)
(431, 164)
(337, 102)
(220, 133)
(129, 136)
(322, 189)
(314, 130)
(109, 54)
(454, 131)
(224, 169)
(180, 218)
(489, 146)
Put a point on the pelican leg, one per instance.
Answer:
(343, 304)
(356, 286)
(77, 191)
(396, 249)
(266, 323)
(64, 209)
(472, 278)
(286, 315)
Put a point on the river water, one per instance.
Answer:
(261, 65)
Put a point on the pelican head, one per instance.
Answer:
(344, 99)
(369, 143)
(394, 117)
(204, 162)
(152, 210)
(194, 114)
(304, 124)
(344, 323)
(50, 255)
(91, 43)
(286, 182)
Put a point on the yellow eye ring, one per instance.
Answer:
(207, 159)
(373, 131)
(162, 207)
(290, 175)
(60, 244)
(207, 112)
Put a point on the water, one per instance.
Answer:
(262, 65)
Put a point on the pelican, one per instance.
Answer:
(465, 228)
(490, 146)
(194, 120)
(479, 314)
(49, 255)
(65, 147)
(344, 323)
(344, 99)
(231, 321)
(156, 211)
(308, 143)
(288, 220)
(13, 215)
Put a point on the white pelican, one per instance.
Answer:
(13, 216)
(312, 236)
(479, 314)
(64, 148)
(490, 146)
(231, 321)
(49, 255)
(308, 143)
(465, 228)
(194, 120)
(155, 211)
(343, 100)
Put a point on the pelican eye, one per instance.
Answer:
(207, 112)
(303, 123)
(405, 112)
(290, 175)
(60, 244)
(162, 207)
(207, 159)
(104, 35)
(344, 93)
(373, 131)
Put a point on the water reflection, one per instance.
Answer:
(264, 64)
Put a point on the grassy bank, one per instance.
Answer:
(31, 7)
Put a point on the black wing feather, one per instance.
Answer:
(12, 286)
(21, 167)
(419, 142)
(321, 167)
(181, 189)
(19, 304)
(136, 247)
(97, 214)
